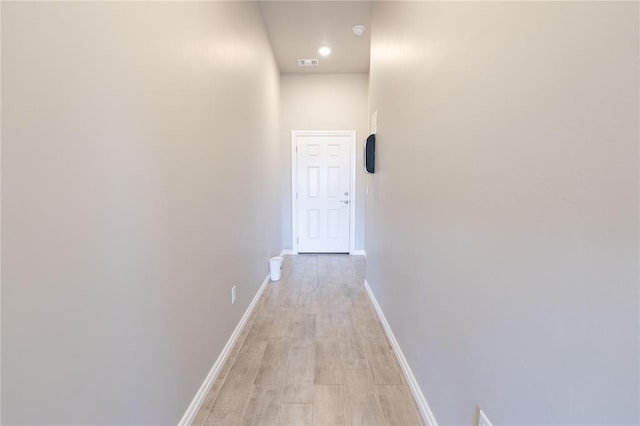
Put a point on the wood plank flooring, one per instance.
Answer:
(313, 353)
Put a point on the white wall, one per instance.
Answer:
(323, 102)
(502, 221)
(130, 205)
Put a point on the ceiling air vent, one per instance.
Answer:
(308, 62)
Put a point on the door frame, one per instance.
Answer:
(352, 182)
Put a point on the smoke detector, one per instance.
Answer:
(308, 62)
(359, 30)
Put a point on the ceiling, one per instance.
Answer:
(298, 28)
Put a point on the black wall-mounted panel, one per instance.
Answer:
(370, 154)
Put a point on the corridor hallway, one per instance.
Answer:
(313, 352)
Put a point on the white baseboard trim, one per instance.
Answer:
(192, 411)
(427, 415)
(352, 253)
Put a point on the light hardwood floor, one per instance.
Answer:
(313, 353)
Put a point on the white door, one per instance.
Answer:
(323, 198)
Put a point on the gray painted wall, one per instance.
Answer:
(130, 205)
(323, 102)
(502, 224)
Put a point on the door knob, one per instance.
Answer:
(345, 201)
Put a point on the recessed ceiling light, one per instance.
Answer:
(359, 30)
(324, 50)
